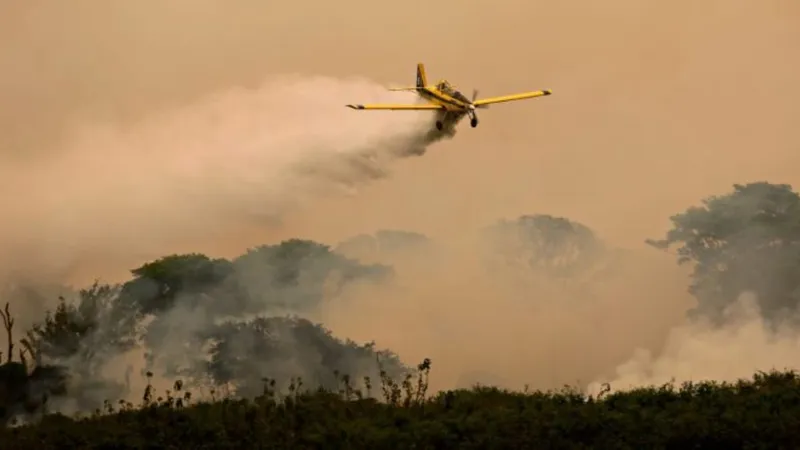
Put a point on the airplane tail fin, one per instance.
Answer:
(422, 80)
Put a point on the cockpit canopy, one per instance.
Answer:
(445, 86)
(450, 90)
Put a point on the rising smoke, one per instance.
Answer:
(240, 157)
(135, 183)
(698, 351)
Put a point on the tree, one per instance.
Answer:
(76, 341)
(553, 245)
(296, 274)
(293, 275)
(8, 323)
(157, 284)
(89, 329)
(746, 240)
(23, 391)
(185, 296)
(244, 353)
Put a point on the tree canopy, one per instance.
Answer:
(556, 246)
(747, 240)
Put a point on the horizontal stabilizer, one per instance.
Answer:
(398, 107)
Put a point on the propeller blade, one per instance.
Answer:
(474, 94)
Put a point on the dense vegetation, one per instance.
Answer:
(759, 413)
(238, 331)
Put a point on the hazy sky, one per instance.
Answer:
(656, 104)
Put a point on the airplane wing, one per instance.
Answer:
(398, 107)
(511, 98)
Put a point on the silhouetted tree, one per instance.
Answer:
(23, 391)
(89, 329)
(746, 240)
(157, 284)
(296, 274)
(186, 295)
(279, 348)
(553, 245)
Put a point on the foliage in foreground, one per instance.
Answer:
(760, 413)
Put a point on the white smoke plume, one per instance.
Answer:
(697, 351)
(239, 156)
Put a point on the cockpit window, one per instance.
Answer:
(448, 89)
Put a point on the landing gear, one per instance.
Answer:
(439, 125)
(473, 118)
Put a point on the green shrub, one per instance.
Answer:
(763, 412)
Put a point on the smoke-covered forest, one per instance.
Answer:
(188, 329)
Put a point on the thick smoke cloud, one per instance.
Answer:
(238, 157)
(656, 105)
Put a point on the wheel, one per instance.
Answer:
(474, 122)
(439, 125)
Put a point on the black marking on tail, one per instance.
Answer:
(421, 81)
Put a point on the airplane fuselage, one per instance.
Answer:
(455, 102)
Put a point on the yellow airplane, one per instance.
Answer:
(451, 104)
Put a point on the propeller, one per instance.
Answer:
(475, 97)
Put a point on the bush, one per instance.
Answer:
(763, 412)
